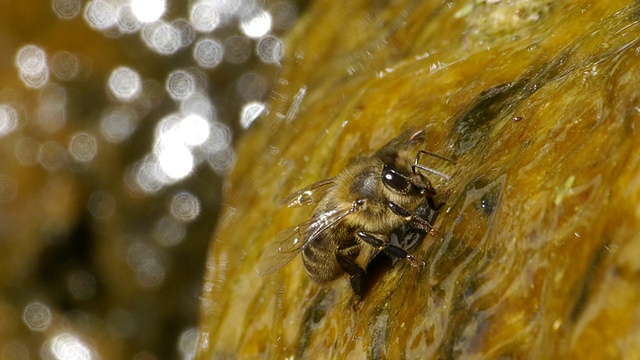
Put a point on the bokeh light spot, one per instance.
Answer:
(208, 53)
(252, 86)
(101, 205)
(187, 343)
(8, 189)
(180, 84)
(100, 14)
(52, 156)
(194, 130)
(148, 10)
(66, 9)
(82, 285)
(31, 62)
(65, 66)
(128, 23)
(204, 17)
(124, 83)
(148, 264)
(117, 125)
(184, 207)
(250, 112)
(27, 151)
(8, 120)
(221, 161)
(83, 147)
(257, 25)
(66, 346)
(270, 50)
(162, 38)
(37, 316)
(169, 232)
(237, 49)
(175, 159)
(187, 34)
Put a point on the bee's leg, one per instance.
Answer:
(357, 275)
(433, 205)
(380, 242)
(402, 212)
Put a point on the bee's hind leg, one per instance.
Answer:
(378, 241)
(357, 275)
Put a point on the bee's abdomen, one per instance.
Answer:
(319, 260)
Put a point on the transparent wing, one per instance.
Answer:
(309, 195)
(291, 242)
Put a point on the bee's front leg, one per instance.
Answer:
(408, 215)
(382, 243)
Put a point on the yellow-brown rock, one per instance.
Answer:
(537, 253)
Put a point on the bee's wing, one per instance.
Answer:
(309, 195)
(290, 242)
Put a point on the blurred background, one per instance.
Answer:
(117, 125)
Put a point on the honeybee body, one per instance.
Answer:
(360, 181)
(355, 214)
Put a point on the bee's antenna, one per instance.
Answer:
(416, 164)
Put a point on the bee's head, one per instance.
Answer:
(413, 184)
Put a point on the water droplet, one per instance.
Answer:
(204, 17)
(257, 25)
(148, 10)
(8, 189)
(250, 112)
(66, 9)
(124, 83)
(208, 53)
(101, 205)
(237, 49)
(180, 84)
(169, 232)
(185, 207)
(100, 14)
(37, 316)
(118, 124)
(270, 50)
(8, 120)
(83, 147)
(65, 66)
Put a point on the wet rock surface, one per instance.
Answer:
(536, 249)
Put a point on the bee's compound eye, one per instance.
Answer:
(395, 181)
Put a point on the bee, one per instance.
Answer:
(355, 213)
